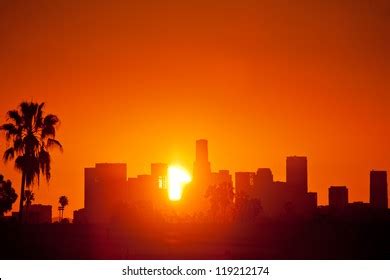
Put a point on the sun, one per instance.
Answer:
(177, 178)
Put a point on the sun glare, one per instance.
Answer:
(177, 178)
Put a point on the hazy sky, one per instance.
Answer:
(140, 81)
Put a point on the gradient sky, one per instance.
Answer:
(140, 81)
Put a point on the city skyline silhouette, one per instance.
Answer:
(204, 158)
(110, 180)
(235, 176)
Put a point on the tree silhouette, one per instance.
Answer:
(29, 197)
(221, 198)
(31, 135)
(246, 208)
(63, 201)
(7, 196)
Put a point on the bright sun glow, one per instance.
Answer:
(177, 178)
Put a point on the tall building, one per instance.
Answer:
(263, 178)
(194, 195)
(202, 169)
(104, 187)
(148, 191)
(378, 189)
(338, 197)
(296, 173)
(202, 151)
(263, 183)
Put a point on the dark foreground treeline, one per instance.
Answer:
(318, 238)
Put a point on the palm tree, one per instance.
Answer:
(29, 197)
(63, 200)
(30, 135)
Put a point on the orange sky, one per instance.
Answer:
(139, 82)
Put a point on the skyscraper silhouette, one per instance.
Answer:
(263, 182)
(194, 195)
(104, 187)
(202, 169)
(296, 173)
(378, 189)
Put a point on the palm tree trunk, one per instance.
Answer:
(21, 197)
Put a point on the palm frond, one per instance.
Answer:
(54, 143)
(9, 154)
(49, 126)
(19, 163)
(32, 170)
(31, 142)
(15, 116)
(18, 144)
(10, 130)
(48, 131)
(44, 163)
(29, 110)
(51, 120)
(29, 165)
(39, 116)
